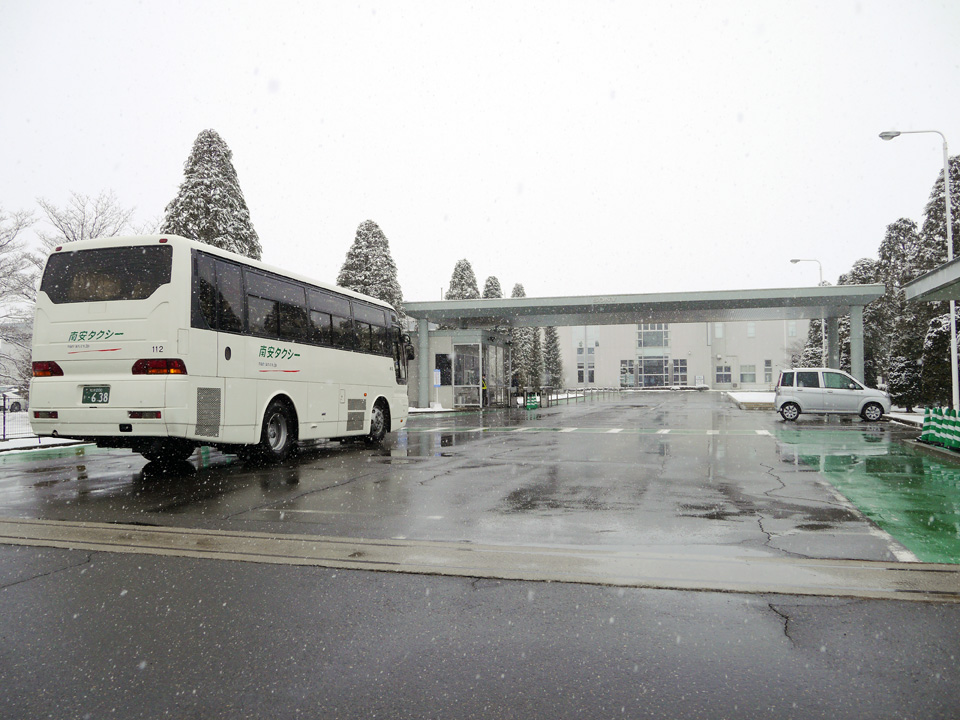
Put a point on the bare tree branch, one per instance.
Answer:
(84, 218)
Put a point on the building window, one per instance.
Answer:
(724, 375)
(718, 330)
(444, 363)
(580, 373)
(791, 328)
(628, 373)
(653, 371)
(653, 335)
(751, 329)
(748, 374)
(590, 375)
(768, 371)
(680, 371)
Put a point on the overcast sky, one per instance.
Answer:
(577, 148)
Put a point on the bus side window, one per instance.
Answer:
(321, 330)
(204, 313)
(370, 323)
(294, 320)
(230, 296)
(343, 332)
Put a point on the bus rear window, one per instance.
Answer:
(104, 274)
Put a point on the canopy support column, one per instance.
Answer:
(423, 363)
(856, 341)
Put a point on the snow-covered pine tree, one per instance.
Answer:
(812, 355)
(369, 268)
(521, 348)
(491, 288)
(935, 365)
(904, 382)
(209, 205)
(934, 232)
(876, 346)
(552, 358)
(898, 264)
(463, 282)
(535, 366)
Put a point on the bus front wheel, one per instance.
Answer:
(379, 419)
(278, 437)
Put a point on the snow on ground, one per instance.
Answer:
(16, 434)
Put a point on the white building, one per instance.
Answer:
(722, 355)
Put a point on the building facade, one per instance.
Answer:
(721, 355)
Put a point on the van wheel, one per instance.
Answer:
(378, 423)
(872, 412)
(278, 436)
(790, 411)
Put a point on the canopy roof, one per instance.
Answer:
(685, 307)
(940, 284)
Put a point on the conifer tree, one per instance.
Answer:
(491, 288)
(463, 282)
(369, 267)
(552, 359)
(521, 347)
(934, 231)
(209, 206)
(935, 363)
(535, 363)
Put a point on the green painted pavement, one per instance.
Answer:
(908, 494)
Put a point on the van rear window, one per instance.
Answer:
(105, 274)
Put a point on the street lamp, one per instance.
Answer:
(890, 135)
(823, 321)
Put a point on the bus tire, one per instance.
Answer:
(278, 436)
(379, 420)
(168, 450)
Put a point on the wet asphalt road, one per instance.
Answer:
(98, 631)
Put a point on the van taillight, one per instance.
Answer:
(160, 366)
(46, 368)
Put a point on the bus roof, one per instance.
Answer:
(121, 241)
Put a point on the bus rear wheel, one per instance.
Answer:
(168, 450)
(278, 436)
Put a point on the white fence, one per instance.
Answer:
(15, 425)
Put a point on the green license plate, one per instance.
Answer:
(96, 394)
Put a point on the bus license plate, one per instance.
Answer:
(96, 394)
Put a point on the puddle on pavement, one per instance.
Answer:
(910, 494)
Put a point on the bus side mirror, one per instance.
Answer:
(411, 355)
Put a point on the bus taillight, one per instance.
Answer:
(160, 366)
(46, 368)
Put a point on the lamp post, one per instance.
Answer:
(823, 321)
(890, 135)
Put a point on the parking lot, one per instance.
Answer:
(493, 543)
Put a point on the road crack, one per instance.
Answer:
(86, 560)
(786, 623)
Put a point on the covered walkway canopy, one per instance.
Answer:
(830, 302)
(940, 284)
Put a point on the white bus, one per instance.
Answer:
(161, 344)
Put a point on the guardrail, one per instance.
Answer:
(532, 398)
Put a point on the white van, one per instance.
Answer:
(825, 390)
